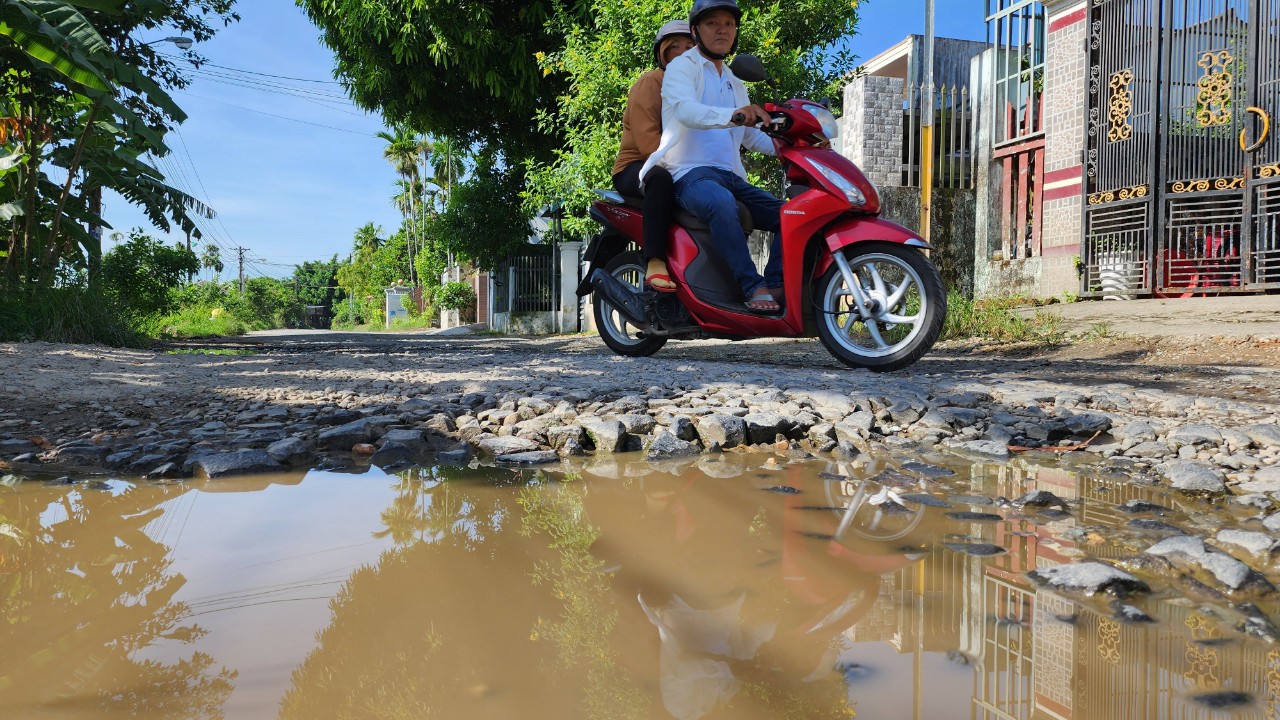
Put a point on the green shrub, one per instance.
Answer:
(455, 296)
(67, 315)
(266, 303)
(194, 322)
(348, 315)
(140, 272)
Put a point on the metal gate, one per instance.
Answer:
(1182, 175)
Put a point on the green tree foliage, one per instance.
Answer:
(211, 258)
(107, 616)
(800, 43)
(484, 221)
(141, 272)
(80, 93)
(375, 264)
(317, 282)
(466, 71)
(265, 303)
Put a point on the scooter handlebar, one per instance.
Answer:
(778, 123)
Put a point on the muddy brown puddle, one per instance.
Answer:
(740, 588)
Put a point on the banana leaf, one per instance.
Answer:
(46, 47)
(69, 23)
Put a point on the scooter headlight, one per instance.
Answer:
(827, 121)
(851, 191)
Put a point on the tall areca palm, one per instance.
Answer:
(402, 150)
(444, 157)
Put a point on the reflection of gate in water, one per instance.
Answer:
(1177, 201)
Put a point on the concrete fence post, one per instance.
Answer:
(567, 314)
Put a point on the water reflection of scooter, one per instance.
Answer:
(832, 558)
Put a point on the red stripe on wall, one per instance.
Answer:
(1068, 20)
(1060, 193)
(1071, 173)
(1060, 250)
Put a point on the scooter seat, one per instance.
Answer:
(693, 222)
(632, 201)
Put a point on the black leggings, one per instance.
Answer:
(659, 206)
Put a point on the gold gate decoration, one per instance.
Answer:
(1120, 106)
(1273, 685)
(1213, 102)
(1202, 658)
(1109, 640)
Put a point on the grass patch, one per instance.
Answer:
(194, 322)
(67, 315)
(210, 351)
(998, 319)
(1100, 330)
(422, 322)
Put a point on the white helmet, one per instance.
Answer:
(671, 29)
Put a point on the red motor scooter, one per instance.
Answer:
(862, 283)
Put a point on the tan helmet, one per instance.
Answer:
(671, 29)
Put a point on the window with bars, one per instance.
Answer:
(1016, 29)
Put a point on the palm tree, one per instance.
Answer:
(402, 150)
(211, 258)
(445, 158)
(367, 240)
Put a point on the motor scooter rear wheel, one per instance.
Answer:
(617, 332)
(903, 306)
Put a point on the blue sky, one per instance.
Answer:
(296, 189)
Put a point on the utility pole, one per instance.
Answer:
(926, 126)
(188, 252)
(240, 255)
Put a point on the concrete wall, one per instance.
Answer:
(524, 323)
(952, 229)
(950, 60)
(871, 128)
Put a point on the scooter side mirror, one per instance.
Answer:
(749, 68)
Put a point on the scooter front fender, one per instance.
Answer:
(862, 229)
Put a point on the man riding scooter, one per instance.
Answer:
(706, 120)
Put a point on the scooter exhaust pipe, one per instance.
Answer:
(621, 296)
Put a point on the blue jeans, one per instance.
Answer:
(712, 195)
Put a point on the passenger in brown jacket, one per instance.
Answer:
(641, 131)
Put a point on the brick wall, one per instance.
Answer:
(871, 127)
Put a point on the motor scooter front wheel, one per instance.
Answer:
(884, 310)
(618, 333)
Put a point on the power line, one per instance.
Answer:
(211, 74)
(253, 72)
(282, 117)
(208, 199)
(176, 178)
(324, 103)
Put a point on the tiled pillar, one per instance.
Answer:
(1065, 94)
(871, 128)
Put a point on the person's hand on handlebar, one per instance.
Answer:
(751, 115)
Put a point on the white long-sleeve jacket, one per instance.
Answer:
(682, 109)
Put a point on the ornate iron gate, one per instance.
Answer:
(1182, 182)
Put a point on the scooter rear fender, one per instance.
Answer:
(862, 229)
